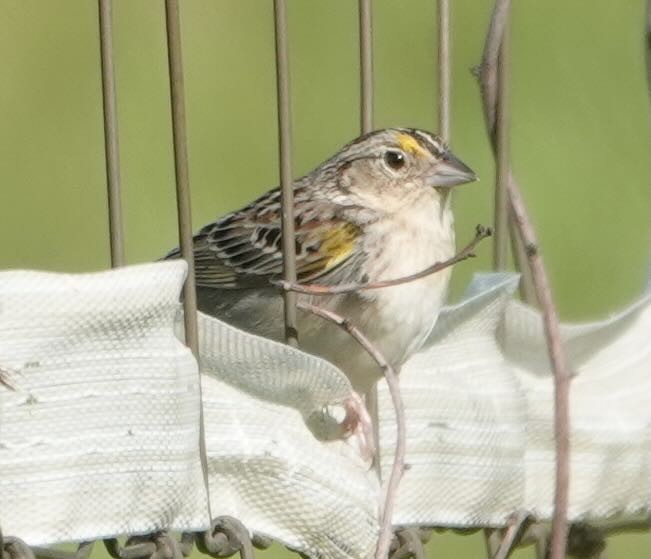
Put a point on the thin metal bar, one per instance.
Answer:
(502, 133)
(181, 168)
(286, 178)
(177, 94)
(444, 82)
(366, 97)
(111, 146)
(647, 37)
(366, 64)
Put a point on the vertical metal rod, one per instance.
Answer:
(647, 49)
(444, 83)
(177, 94)
(111, 147)
(181, 168)
(366, 64)
(286, 177)
(365, 9)
(647, 41)
(502, 130)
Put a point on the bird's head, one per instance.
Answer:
(386, 169)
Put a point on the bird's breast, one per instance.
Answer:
(403, 315)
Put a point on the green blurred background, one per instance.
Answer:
(580, 130)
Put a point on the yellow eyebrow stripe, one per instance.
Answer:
(409, 144)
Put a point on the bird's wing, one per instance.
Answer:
(243, 249)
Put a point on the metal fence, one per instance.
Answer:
(228, 536)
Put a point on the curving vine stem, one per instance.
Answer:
(488, 78)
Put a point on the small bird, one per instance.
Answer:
(378, 209)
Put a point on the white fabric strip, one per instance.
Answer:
(99, 435)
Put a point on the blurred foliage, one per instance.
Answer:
(580, 128)
(580, 119)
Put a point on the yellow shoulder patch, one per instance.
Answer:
(338, 243)
(409, 144)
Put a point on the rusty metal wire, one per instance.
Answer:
(111, 146)
(225, 537)
(179, 133)
(647, 42)
(285, 163)
(366, 112)
(131, 550)
(444, 64)
(83, 551)
(366, 65)
(177, 94)
(159, 545)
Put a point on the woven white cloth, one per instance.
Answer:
(99, 435)
(479, 405)
(266, 467)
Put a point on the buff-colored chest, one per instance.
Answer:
(396, 319)
(403, 315)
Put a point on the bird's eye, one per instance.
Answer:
(395, 160)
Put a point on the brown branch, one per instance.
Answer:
(481, 233)
(513, 535)
(384, 541)
(488, 84)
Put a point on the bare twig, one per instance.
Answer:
(315, 289)
(488, 83)
(502, 148)
(492, 541)
(512, 535)
(391, 378)
(527, 289)
(536, 534)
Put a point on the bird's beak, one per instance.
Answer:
(451, 171)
